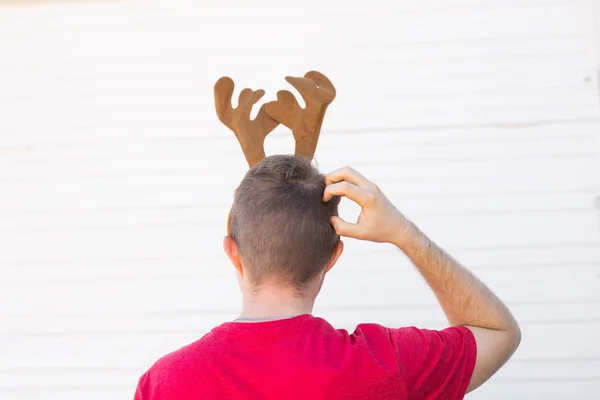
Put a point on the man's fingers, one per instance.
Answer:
(346, 229)
(346, 189)
(349, 175)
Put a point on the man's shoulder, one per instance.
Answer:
(409, 336)
(180, 359)
(369, 331)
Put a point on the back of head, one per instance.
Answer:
(280, 223)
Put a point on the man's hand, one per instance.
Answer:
(466, 300)
(379, 221)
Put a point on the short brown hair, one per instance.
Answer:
(280, 223)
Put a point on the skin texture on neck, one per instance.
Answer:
(277, 300)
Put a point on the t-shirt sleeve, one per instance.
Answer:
(435, 363)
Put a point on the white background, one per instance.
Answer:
(479, 118)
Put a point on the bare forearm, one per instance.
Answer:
(464, 298)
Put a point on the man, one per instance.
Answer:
(284, 238)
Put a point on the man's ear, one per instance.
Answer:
(231, 249)
(337, 252)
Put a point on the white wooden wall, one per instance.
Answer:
(480, 119)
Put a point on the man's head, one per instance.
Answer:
(280, 228)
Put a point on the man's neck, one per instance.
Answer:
(271, 301)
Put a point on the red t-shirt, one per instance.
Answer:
(306, 358)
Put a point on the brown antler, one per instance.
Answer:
(250, 133)
(318, 92)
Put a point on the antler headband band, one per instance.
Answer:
(305, 123)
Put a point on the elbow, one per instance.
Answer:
(515, 334)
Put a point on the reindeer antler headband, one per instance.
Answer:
(305, 123)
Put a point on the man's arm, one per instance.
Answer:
(466, 300)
